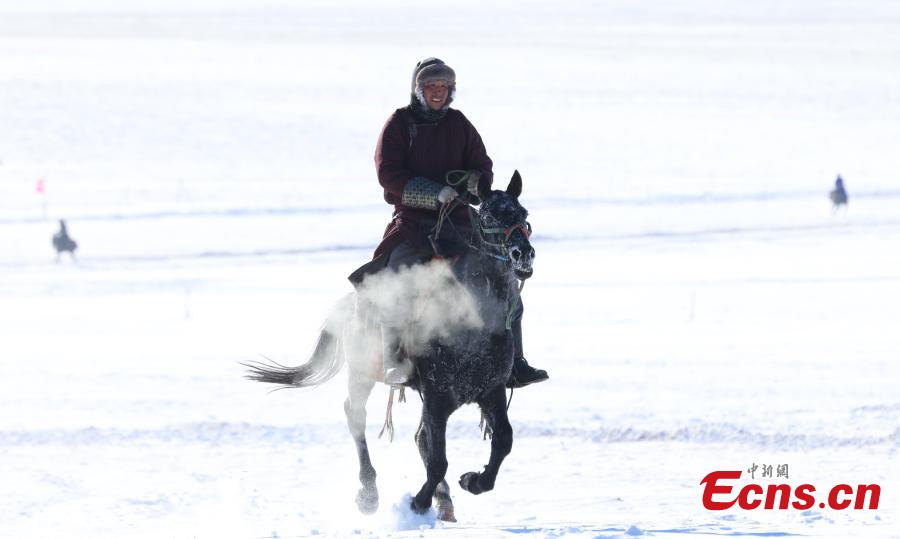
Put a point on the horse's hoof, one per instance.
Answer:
(419, 509)
(469, 482)
(367, 500)
(444, 512)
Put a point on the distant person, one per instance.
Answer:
(838, 194)
(62, 242)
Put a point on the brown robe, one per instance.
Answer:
(408, 148)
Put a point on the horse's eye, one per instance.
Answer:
(528, 226)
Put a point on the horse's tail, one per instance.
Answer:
(326, 361)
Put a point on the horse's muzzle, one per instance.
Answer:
(523, 274)
(522, 261)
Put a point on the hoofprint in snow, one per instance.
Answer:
(696, 302)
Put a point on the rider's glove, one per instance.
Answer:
(447, 194)
(472, 178)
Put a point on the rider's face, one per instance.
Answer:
(436, 93)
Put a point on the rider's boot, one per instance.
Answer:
(397, 369)
(524, 374)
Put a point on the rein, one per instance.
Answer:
(480, 232)
(477, 231)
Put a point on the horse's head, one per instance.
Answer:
(504, 223)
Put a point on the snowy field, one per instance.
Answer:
(696, 301)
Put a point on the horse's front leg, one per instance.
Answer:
(432, 438)
(494, 408)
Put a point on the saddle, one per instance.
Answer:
(443, 249)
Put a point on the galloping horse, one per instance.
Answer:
(467, 359)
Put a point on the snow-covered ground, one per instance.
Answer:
(697, 303)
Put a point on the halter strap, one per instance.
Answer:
(477, 230)
(507, 232)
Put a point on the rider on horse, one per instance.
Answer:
(428, 155)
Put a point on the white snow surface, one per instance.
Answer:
(696, 301)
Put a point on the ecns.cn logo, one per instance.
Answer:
(718, 496)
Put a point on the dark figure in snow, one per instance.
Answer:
(838, 194)
(62, 242)
(428, 155)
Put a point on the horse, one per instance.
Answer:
(466, 357)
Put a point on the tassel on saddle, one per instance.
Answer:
(389, 416)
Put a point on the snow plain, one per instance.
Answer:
(698, 304)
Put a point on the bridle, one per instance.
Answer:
(524, 227)
(479, 232)
(504, 233)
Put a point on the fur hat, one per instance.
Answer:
(428, 70)
(431, 69)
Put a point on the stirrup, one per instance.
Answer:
(398, 375)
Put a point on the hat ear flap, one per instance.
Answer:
(514, 189)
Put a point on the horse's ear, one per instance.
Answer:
(514, 189)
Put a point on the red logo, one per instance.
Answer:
(718, 495)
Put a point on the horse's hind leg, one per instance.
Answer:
(442, 503)
(494, 408)
(355, 408)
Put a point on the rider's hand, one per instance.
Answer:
(447, 194)
(472, 178)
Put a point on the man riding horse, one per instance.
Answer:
(428, 155)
